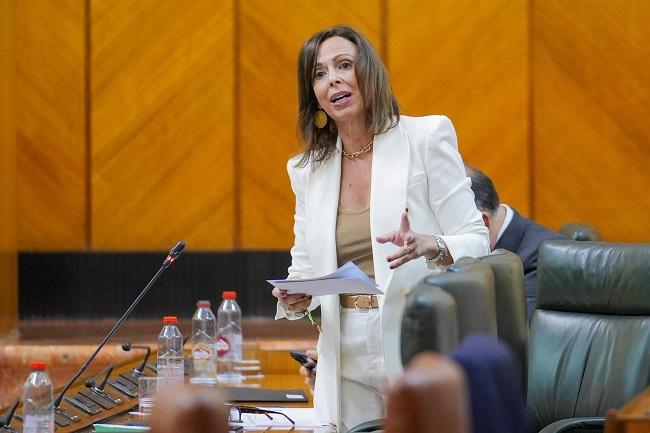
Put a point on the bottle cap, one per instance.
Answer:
(229, 294)
(203, 304)
(37, 366)
(170, 320)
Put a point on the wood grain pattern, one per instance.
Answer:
(8, 274)
(591, 108)
(468, 60)
(50, 168)
(271, 35)
(181, 148)
(162, 131)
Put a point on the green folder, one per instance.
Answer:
(121, 428)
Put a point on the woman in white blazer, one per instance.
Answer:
(396, 185)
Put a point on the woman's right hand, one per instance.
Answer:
(309, 371)
(292, 303)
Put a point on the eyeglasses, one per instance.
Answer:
(236, 412)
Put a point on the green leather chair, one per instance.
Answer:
(510, 296)
(471, 284)
(590, 333)
(429, 321)
(441, 310)
(448, 306)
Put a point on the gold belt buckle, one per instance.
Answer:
(366, 304)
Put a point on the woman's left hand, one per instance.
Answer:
(412, 245)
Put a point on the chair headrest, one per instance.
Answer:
(506, 261)
(471, 284)
(429, 322)
(594, 277)
(580, 232)
(510, 295)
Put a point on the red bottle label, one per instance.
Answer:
(223, 345)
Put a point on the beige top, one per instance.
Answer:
(353, 239)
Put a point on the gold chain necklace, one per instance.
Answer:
(355, 155)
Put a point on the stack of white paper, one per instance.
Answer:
(347, 279)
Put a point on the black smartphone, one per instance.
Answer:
(301, 358)
(305, 361)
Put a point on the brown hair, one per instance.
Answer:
(382, 109)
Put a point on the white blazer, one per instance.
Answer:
(416, 165)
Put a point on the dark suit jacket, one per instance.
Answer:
(524, 237)
(496, 394)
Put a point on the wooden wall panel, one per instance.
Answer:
(50, 173)
(8, 274)
(162, 124)
(180, 147)
(468, 60)
(591, 76)
(271, 35)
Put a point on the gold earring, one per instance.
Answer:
(320, 119)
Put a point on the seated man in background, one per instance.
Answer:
(510, 231)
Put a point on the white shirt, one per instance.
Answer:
(506, 221)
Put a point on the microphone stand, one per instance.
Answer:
(171, 257)
(137, 372)
(98, 390)
(5, 419)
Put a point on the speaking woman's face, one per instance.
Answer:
(335, 80)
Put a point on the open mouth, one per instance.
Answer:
(340, 96)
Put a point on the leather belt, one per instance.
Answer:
(360, 302)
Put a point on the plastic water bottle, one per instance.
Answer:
(204, 352)
(170, 353)
(38, 403)
(229, 339)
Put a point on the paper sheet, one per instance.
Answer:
(347, 279)
(303, 417)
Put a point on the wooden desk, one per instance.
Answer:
(120, 414)
(634, 417)
(274, 381)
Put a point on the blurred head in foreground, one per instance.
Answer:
(432, 396)
(189, 409)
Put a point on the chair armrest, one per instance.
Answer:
(586, 424)
(368, 426)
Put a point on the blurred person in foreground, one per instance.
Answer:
(510, 231)
(385, 191)
(190, 409)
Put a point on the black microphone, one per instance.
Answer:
(97, 393)
(171, 257)
(91, 383)
(174, 253)
(128, 346)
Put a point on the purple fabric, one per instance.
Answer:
(496, 396)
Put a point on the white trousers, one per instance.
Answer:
(363, 374)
